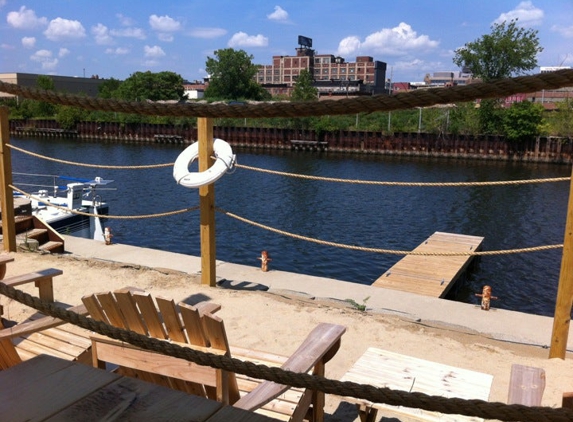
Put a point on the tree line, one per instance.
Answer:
(509, 50)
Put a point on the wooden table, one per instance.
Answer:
(51, 389)
(382, 368)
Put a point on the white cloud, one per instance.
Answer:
(101, 34)
(124, 20)
(240, 39)
(526, 13)
(565, 31)
(279, 15)
(128, 33)
(207, 32)
(120, 51)
(348, 46)
(154, 52)
(61, 29)
(164, 23)
(45, 58)
(63, 52)
(25, 19)
(28, 42)
(165, 37)
(397, 41)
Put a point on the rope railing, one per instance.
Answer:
(405, 184)
(476, 408)
(309, 177)
(385, 251)
(367, 104)
(293, 235)
(98, 166)
(118, 217)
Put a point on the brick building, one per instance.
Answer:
(332, 74)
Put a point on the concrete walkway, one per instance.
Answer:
(497, 323)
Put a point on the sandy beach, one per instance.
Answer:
(279, 322)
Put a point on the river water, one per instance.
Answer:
(372, 216)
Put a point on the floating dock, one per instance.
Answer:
(432, 275)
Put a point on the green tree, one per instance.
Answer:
(303, 88)
(522, 122)
(42, 108)
(108, 88)
(68, 117)
(509, 50)
(563, 119)
(231, 76)
(142, 86)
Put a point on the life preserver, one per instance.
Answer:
(225, 159)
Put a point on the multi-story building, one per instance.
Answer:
(446, 79)
(69, 84)
(332, 74)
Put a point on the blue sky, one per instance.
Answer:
(116, 38)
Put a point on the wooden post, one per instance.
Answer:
(562, 318)
(207, 203)
(6, 195)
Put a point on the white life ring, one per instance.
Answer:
(225, 159)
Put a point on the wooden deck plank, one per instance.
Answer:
(431, 275)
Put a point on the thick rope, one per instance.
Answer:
(293, 235)
(97, 166)
(407, 184)
(117, 217)
(309, 177)
(386, 251)
(373, 394)
(366, 104)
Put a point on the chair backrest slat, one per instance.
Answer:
(126, 303)
(173, 325)
(150, 315)
(193, 325)
(94, 308)
(111, 309)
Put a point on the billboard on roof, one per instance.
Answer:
(304, 41)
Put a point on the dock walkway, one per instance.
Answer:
(431, 275)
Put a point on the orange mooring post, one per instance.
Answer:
(6, 196)
(207, 203)
(562, 318)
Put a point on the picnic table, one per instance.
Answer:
(49, 388)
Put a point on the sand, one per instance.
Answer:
(279, 323)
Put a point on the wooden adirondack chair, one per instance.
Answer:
(42, 334)
(198, 328)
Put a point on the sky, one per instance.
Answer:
(114, 39)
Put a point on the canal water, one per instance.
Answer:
(388, 217)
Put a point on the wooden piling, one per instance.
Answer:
(207, 203)
(562, 318)
(6, 195)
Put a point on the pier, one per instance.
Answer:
(432, 275)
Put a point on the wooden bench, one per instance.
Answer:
(41, 334)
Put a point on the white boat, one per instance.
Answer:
(81, 195)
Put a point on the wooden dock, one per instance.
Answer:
(431, 275)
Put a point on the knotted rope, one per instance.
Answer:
(367, 104)
(475, 408)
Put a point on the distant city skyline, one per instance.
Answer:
(118, 38)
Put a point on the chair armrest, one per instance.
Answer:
(42, 279)
(38, 325)
(319, 347)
